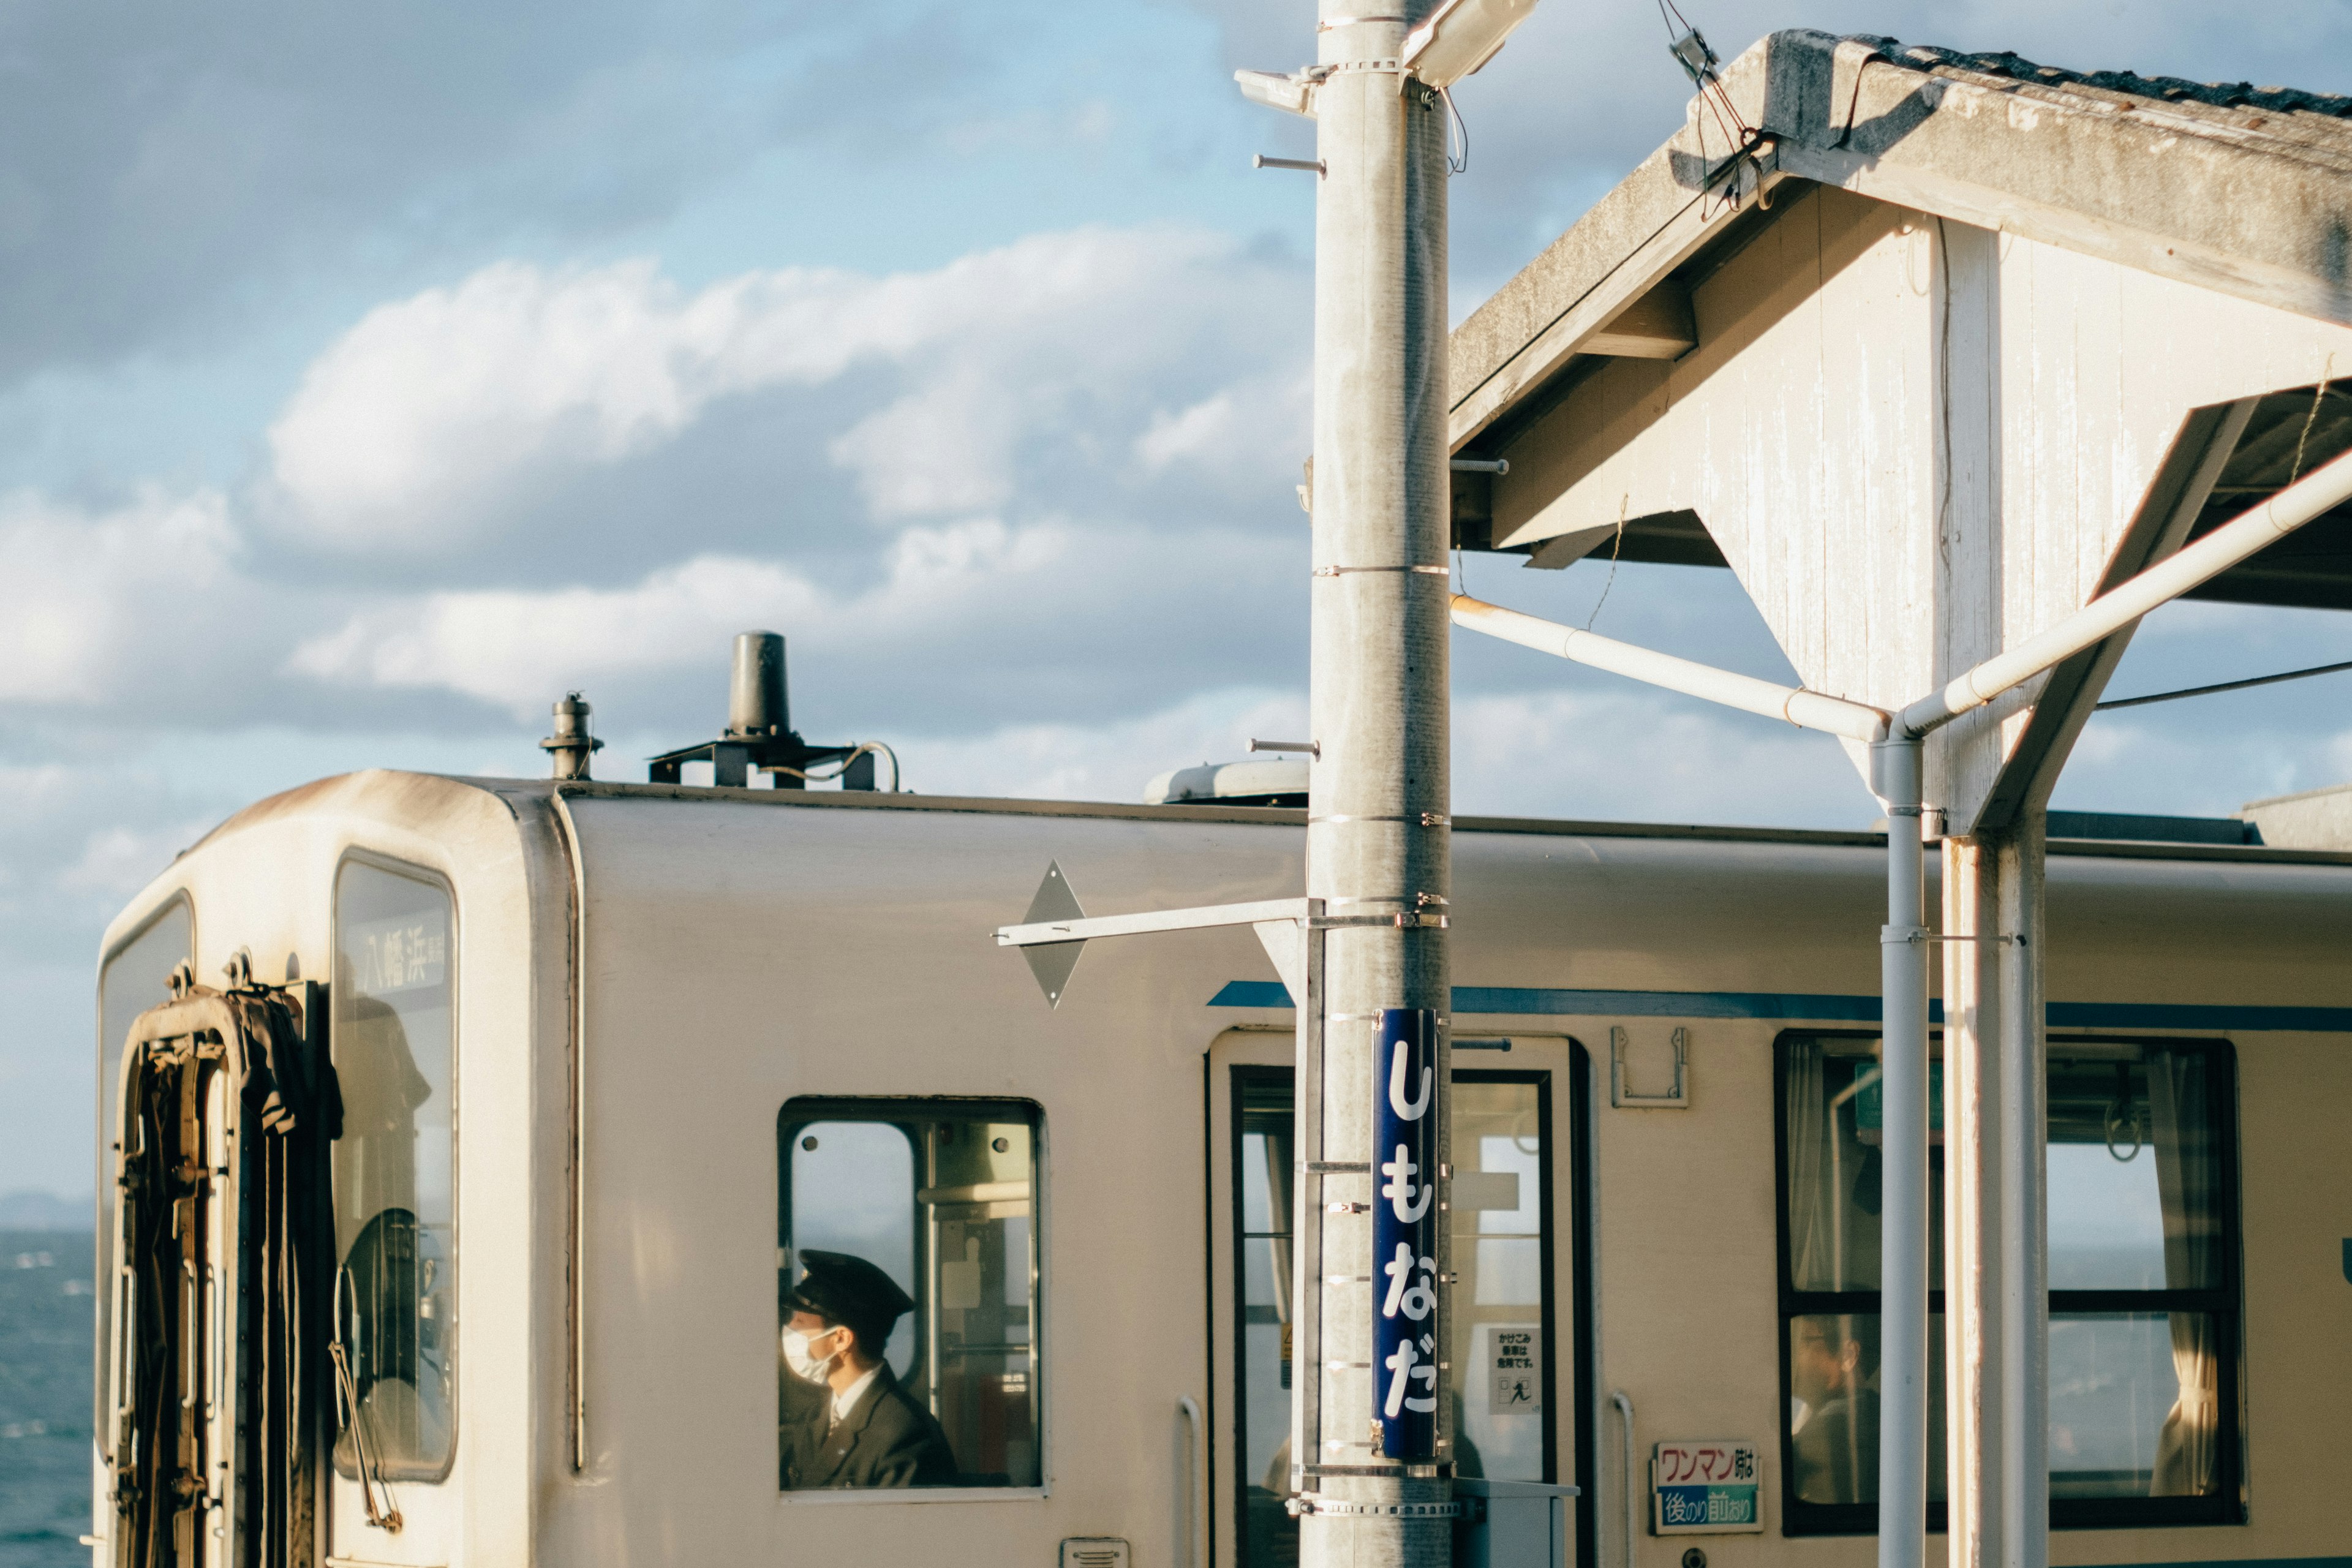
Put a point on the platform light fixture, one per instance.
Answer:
(1293, 94)
(1460, 36)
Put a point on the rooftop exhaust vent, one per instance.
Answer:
(759, 735)
(572, 746)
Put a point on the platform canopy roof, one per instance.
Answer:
(1928, 348)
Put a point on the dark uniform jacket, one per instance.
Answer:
(1836, 1451)
(887, 1439)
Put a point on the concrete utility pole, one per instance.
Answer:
(1379, 839)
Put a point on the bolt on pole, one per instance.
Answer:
(1377, 1461)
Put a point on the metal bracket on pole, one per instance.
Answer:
(1292, 931)
(1307, 1198)
(1058, 928)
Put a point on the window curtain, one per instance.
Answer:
(1278, 1215)
(1815, 1256)
(2188, 1175)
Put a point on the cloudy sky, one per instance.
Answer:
(370, 375)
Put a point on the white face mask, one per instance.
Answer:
(798, 1357)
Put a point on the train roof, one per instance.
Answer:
(307, 796)
(1607, 907)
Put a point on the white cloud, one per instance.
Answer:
(430, 406)
(117, 860)
(1101, 761)
(1238, 418)
(90, 599)
(435, 416)
(1635, 756)
(514, 648)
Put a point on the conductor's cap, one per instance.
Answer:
(843, 1289)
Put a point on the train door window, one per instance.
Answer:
(393, 1042)
(1264, 1165)
(2143, 1317)
(1501, 1308)
(134, 979)
(908, 1300)
(1499, 1323)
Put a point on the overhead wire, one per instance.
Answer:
(2311, 419)
(2222, 686)
(1460, 165)
(1611, 581)
(1737, 134)
(2295, 472)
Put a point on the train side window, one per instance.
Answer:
(2144, 1323)
(393, 1042)
(908, 1310)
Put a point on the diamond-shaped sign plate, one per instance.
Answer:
(1052, 963)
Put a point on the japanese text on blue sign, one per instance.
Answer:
(1705, 1486)
(1404, 1235)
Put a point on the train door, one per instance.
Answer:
(1519, 1339)
(213, 1390)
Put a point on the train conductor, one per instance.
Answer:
(847, 1422)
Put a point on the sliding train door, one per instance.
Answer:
(1519, 1337)
(215, 1385)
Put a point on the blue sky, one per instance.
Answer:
(370, 375)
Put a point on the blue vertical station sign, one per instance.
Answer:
(1404, 1235)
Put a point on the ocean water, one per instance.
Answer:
(44, 1397)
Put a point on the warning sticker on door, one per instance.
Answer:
(1515, 1375)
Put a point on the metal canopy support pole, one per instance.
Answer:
(1996, 1266)
(1976, 1201)
(2023, 1311)
(1378, 840)
(1902, 1248)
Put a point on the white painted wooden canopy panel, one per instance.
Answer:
(1916, 442)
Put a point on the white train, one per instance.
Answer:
(613, 1058)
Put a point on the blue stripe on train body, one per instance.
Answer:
(1797, 1006)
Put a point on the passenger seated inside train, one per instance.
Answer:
(907, 1293)
(855, 1427)
(1834, 1371)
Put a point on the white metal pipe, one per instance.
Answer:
(2024, 1303)
(1903, 1236)
(1807, 710)
(1047, 933)
(2321, 490)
